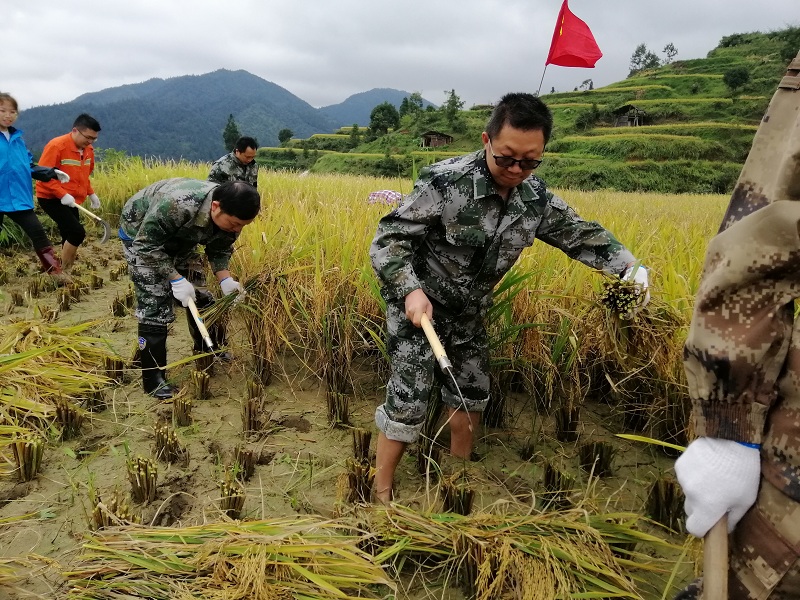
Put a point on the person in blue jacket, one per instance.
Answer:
(16, 190)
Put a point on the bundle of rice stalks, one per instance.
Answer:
(596, 458)
(534, 556)
(116, 511)
(28, 450)
(64, 300)
(167, 446)
(621, 297)
(284, 559)
(252, 421)
(143, 476)
(558, 486)
(355, 485)
(201, 383)
(567, 422)
(182, 410)
(457, 495)
(41, 363)
(115, 368)
(69, 417)
(665, 503)
(244, 463)
(232, 496)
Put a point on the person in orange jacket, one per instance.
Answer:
(73, 154)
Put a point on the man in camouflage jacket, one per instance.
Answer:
(742, 362)
(161, 227)
(239, 165)
(441, 253)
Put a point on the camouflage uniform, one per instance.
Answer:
(742, 354)
(742, 360)
(230, 168)
(455, 237)
(164, 223)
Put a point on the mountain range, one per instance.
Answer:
(183, 117)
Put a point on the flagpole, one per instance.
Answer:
(541, 81)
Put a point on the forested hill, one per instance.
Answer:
(183, 117)
(356, 109)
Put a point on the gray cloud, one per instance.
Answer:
(324, 51)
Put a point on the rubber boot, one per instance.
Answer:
(51, 265)
(216, 331)
(153, 343)
(203, 300)
(218, 335)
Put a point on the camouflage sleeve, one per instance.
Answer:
(742, 322)
(163, 218)
(399, 234)
(585, 241)
(219, 252)
(218, 173)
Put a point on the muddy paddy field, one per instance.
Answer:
(74, 530)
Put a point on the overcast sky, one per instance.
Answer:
(325, 50)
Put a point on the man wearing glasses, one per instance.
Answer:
(73, 154)
(441, 253)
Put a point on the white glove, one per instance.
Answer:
(718, 477)
(229, 285)
(183, 290)
(68, 200)
(62, 177)
(94, 201)
(638, 275)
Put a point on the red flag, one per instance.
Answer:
(573, 44)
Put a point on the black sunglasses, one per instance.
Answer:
(526, 164)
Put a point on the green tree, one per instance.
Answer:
(671, 52)
(230, 134)
(284, 135)
(415, 103)
(451, 107)
(403, 108)
(383, 118)
(735, 78)
(355, 136)
(642, 59)
(791, 42)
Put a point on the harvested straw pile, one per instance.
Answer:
(257, 560)
(527, 557)
(41, 363)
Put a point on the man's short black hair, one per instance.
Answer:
(85, 121)
(238, 199)
(521, 111)
(244, 142)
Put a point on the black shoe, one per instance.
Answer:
(153, 344)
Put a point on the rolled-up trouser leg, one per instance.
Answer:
(414, 369)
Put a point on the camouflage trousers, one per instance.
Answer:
(415, 370)
(154, 300)
(764, 551)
